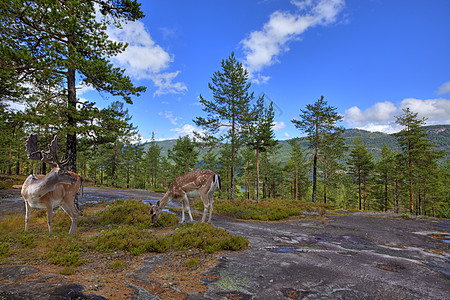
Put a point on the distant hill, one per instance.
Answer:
(438, 134)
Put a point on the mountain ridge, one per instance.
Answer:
(437, 134)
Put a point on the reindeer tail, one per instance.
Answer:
(217, 178)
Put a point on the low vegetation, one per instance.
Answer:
(270, 210)
(124, 225)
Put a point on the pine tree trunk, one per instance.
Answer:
(385, 194)
(71, 139)
(359, 191)
(257, 175)
(314, 177)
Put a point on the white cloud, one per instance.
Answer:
(186, 129)
(144, 59)
(262, 48)
(380, 117)
(379, 113)
(437, 111)
(277, 126)
(165, 85)
(444, 88)
(169, 115)
(83, 88)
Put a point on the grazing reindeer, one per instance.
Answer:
(201, 183)
(58, 187)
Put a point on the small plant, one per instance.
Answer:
(406, 216)
(68, 270)
(192, 263)
(5, 249)
(117, 265)
(27, 241)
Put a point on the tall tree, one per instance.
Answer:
(63, 40)
(411, 138)
(260, 134)
(184, 154)
(228, 109)
(153, 157)
(318, 121)
(297, 163)
(385, 171)
(361, 164)
(332, 150)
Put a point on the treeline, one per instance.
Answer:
(46, 47)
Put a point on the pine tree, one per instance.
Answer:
(413, 141)
(361, 164)
(153, 157)
(297, 163)
(260, 135)
(184, 155)
(385, 171)
(318, 121)
(229, 109)
(61, 40)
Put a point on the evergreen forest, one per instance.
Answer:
(44, 54)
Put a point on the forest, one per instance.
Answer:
(46, 50)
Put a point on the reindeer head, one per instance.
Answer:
(155, 212)
(50, 157)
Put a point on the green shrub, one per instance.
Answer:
(129, 212)
(166, 220)
(5, 249)
(191, 263)
(27, 240)
(117, 265)
(206, 237)
(270, 210)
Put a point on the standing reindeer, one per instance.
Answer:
(58, 187)
(201, 183)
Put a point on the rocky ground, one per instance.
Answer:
(342, 256)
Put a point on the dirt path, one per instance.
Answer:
(338, 257)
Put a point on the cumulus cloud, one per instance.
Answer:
(186, 129)
(277, 126)
(144, 59)
(437, 111)
(379, 113)
(381, 116)
(444, 88)
(263, 47)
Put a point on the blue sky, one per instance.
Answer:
(368, 58)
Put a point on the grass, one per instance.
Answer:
(270, 210)
(124, 225)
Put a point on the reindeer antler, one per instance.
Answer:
(49, 157)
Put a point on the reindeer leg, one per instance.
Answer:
(188, 208)
(49, 216)
(28, 211)
(72, 212)
(182, 212)
(205, 206)
(211, 203)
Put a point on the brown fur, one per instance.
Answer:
(62, 194)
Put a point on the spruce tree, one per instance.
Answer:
(229, 109)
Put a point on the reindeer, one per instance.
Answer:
(57, 188)
(201, 183)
